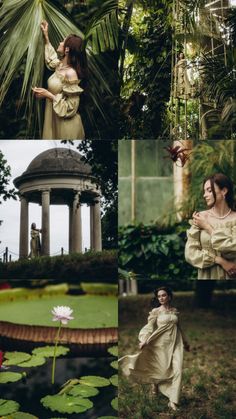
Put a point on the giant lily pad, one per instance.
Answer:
(83, 391)
(114, 380)
(35, 361)
(48, 351)
(114, 403)
(8, 406)
(114, 364)
(9, 377)
(94, 381)
(15, 358)
(66, 404)
(113, 350)
(21, 415)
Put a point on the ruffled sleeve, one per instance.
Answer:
(66, 103)
(51, 58)
(223, 238)
(195, 255)
(148, 329)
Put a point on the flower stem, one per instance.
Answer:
(55, 351)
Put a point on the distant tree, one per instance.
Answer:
(5, 174)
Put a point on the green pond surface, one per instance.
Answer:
(89, 311)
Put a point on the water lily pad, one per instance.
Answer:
(94, 381)
(15, 358)
(114, 364)
(114, 380)
(21, 415)
(83, 391)
(113, 350)
(9, 377)
(66, 404)
(114, 403)
(8, 406)
(35, 361)
(48, 351)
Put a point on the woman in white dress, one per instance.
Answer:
(211, 244)
(160, 359)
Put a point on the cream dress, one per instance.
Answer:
(61, 120)
(160, 360)
(202, 248)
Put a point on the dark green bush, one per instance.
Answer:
(87, 267)
(155, 252)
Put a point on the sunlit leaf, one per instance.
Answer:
(66, 404)
(15, 358)
(48, 351)
(83, 391)
(9, 377)
(8, 406)
(94, 381)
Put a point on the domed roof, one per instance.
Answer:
(58, 160)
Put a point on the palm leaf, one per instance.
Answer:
(102, 32)
(22, 45)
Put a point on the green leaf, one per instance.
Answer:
(8, 406)
(9, 377)
(15, 358)
(114, 380)
(114, 364)
(113, 350)
(114, 403)
(48, 351)
(35, 361)
(94, 381)
(83, 391)
(66, 404)
(21, 415)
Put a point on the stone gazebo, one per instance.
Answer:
(58, 176)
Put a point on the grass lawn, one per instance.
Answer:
(90, 311)
(208, 387)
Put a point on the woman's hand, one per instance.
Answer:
(42, 93)
(202, 222)
(227, 265)
(44, 27)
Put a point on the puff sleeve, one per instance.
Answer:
(148, 329)
(66, 103)
(51, 58)
(195, 255)
(223, 239)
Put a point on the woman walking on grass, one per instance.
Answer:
(160, 359)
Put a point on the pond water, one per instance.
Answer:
(38, 384)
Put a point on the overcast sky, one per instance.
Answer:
(19, 154)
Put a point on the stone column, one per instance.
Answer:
(76, 225)
(46, 222)
(91, 226)
(24, 227)
(70, 227)
(97, 229)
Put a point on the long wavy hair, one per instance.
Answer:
(154, 302)
(77, 55)
(222, 181)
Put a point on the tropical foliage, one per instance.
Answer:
(22, 52)
(5, 176)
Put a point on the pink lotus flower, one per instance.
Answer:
(62, 313)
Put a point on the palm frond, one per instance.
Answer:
(22, 45)
(102, 32)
